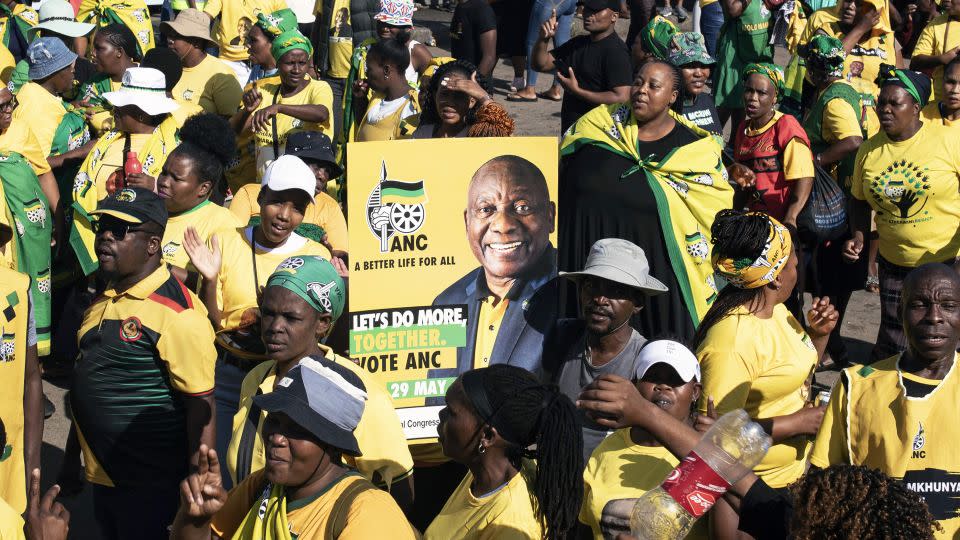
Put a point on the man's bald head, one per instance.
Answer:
(930, 311)
(509, 216)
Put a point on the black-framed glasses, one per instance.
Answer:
(118, 229)
(9, 105)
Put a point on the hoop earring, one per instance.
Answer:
(481, 449)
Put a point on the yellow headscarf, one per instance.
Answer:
(750, 274)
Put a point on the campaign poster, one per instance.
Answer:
(434, 226)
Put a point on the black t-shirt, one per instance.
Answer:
(470, 19)
(703, 112)
(765, 512)
(599, 66)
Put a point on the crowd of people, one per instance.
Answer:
(174, 246)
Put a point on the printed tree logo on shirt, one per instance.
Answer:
(901, 189)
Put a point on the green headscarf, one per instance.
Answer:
(769, 71)
(655, 37)
(289, 41)
(276, 23)
(915, 83)
(826, 53)
(315, 280)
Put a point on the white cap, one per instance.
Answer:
(289, 172)
(145, 88)
(673, 354)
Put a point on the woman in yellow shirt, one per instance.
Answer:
(191, 173)
(907, 178)
(385, 106)
(754, 354)
(492, 417)
(235, 268)
(295, 103)
(114, 52)
(946, 109)
(631, 461)
(937, 45)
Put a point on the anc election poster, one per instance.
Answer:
(436, 227)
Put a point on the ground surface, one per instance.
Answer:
(541, 118)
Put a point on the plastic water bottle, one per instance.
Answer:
(132, 164)
(726, 453)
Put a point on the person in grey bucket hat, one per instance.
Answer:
(47, 56)
(611, 287)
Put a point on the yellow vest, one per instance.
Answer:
(391, 127)
(14, 312)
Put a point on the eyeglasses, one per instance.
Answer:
(9, 105)
(118, 229)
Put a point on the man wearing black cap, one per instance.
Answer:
(142, 397)
(594, 69)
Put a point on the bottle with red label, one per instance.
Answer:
(726, 453)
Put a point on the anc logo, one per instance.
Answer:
(170, 249)
(127, 195)
(8, 348)
(187, 94)
(901, 190)
(395, 207)
(131, 329)
(321, 292)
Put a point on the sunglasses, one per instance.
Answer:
(118, 229)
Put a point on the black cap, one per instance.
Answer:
(134, 205)
(600, 5)
(313, 145)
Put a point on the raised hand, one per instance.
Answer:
(206, 260)
(703, 421)
(261, 118)
(821, 318)
(549, 28)
(613, 402)
(202, 494)
(46, 519)
(252, 99)
(469, 87)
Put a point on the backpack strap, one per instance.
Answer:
(248, 436)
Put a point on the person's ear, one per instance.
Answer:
(552, 214)
(488, 436)
(153, 244)
(674, 95)
(323, 326)
(697, 390)
(205, 188)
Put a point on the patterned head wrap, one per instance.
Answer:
(689, 48)
(655, 37)
(769, 71)
(916, 84)
(751, 274)
(276, 23)
(315, 280)
(289, 41)
(827, 54)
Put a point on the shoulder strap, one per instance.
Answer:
(248, 436)
(341, 509)
(273, 125)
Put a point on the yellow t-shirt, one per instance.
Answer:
(506, 514)
(21, 139)
(42, 112)
(340, 37)
(14, 294)
(112, 160)
(385, 458)
(185, 111)
(762, 366)
(839, 121)
(236, 288)
(491, 317)
(207, 218)
(7, 64)
(935, 40)
(620, 469)
(912, 186)
(797, 157)
(11, 524)
(372, 514)
(324, 211)
(870, 421)
(931, 114)
(315, 93)
(243, 170)
(233, 20)
(212, 85)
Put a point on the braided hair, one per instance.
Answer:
(392, 51)
(209, 142)
(740, 235)
(677, 106)
(122, 38)
(850, 501)
(527, 413)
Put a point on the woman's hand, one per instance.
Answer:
(261, 118)
(821, 318)
(742, 175)
(613, 402)
(207, 261)
(807, 420)
(202, 494)
(142, 180)
(340, 266)
(469, 87)
(852, 249)
(549, 28)
(867, 20)
(704, 422)
(252, 99)
(360, 88)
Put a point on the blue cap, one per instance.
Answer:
(47, 56)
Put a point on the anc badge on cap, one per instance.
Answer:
(315, 280)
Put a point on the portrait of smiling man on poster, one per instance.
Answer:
(511, 297)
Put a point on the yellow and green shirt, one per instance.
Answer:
(141, 352)
(212, 85)
(937, 37)
(233, 20)
(207, 218)
(14, 321)
(324, 212)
